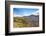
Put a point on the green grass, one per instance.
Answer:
(21, 22)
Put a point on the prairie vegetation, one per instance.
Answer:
(23, 22)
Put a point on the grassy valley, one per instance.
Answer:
(24, 22)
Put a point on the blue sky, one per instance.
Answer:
(24, 11)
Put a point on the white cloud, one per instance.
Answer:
(14, 15)
(36, 13)
(26, 14)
